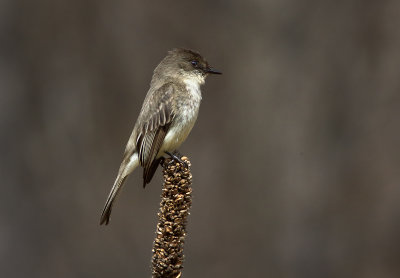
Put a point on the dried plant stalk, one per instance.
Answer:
(176, 200)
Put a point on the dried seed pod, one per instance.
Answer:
(175, 203)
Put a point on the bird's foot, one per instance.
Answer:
(175, 158)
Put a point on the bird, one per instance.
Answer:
(167, 116)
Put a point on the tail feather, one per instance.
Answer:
(105, 216)
(127, 166)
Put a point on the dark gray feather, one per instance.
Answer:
(154, 122)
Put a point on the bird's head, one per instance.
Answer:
(186, 64)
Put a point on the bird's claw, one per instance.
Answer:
(175, 158)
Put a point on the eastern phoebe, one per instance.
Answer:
(168, 114)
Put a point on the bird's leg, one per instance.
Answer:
(175, 157)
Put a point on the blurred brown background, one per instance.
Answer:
(295, 153)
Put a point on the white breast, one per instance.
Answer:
(185, 118)
(193, 86)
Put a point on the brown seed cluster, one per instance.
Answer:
(176, 200)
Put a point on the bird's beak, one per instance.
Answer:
(213, 71)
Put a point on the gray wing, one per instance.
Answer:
(153, 129)
(146, 139)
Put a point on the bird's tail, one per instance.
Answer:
(126, 168)
(105, 216)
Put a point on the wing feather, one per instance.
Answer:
(153, 131)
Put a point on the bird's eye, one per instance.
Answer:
(194, 63)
